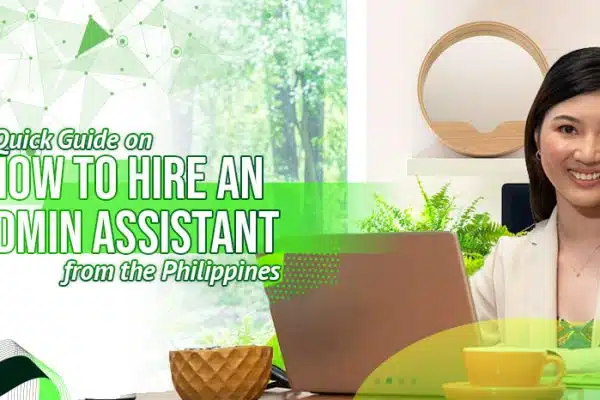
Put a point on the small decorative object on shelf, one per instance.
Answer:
(461, 136)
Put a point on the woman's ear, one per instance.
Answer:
(536, 136)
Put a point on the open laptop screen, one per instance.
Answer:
(516, 209)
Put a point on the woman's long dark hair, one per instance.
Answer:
(573, 74)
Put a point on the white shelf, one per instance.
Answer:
(510, 168)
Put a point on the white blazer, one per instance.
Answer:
(517, 287)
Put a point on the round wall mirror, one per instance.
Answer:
(476, 86)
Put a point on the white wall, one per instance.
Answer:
(399, 34)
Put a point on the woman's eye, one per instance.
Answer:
(568, 129)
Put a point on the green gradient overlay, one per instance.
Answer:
(312, 215)
(305, 210)
(424, 367)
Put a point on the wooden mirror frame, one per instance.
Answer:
(460, 136)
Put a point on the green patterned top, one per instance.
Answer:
(574, 336)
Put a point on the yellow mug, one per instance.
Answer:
(510, 367)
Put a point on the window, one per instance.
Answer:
(284, 96)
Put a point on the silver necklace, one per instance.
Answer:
(579, 271)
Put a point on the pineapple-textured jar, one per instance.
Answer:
(228, 373)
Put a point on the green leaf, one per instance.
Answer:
(277, 356)
(477, 232)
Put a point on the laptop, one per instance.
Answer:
(361, 321)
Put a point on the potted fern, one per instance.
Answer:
(477, 232)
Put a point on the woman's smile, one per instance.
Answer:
(585, 178)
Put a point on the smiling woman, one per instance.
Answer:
(562, 137)
(558, 262)
(571, 140)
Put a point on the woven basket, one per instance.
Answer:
(232, 373)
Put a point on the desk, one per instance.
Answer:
(287, 395)
(269, 395)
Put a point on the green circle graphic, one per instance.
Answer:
(176, 51)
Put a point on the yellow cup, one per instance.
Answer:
(510, 367)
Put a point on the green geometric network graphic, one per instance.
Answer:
(155, 43)
(93, 36)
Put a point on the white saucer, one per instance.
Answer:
(466, 391)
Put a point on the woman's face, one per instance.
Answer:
(569, 145)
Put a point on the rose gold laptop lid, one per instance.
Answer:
(338, 317)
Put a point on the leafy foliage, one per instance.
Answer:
(247, 333)
(477, 232)
(277, 356)
(270, 78)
